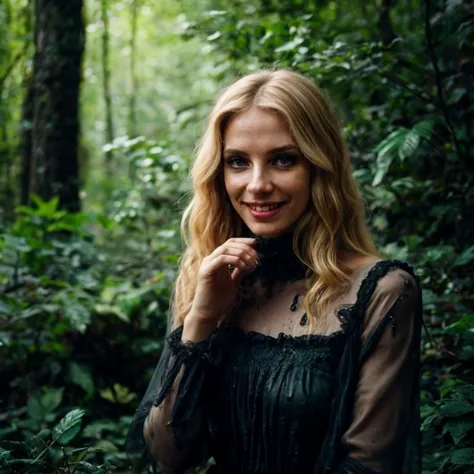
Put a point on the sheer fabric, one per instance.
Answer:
(261, 396)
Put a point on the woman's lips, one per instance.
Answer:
(262, 214)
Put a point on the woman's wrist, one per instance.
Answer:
(196, 329)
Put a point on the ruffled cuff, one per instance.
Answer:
(197, 360)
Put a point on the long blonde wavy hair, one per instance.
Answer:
(336, 219)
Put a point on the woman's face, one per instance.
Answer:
(266, 176)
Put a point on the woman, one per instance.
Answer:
(293, 347)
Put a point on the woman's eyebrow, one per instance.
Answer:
(279, 149)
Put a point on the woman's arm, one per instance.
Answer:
(156, 430)
(169, 431)
(385, 413)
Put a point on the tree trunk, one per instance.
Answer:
(26, 130)
(132, 114)
(59, 41)
(109, 125)
(384, 22)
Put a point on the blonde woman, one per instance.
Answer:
(293, 348)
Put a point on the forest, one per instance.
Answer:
(101, 105)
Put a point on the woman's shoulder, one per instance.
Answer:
(384, 285)
(381, 280)
(387, 276)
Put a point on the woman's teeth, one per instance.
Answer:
(265, 208)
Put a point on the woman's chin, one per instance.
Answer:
(267, 232)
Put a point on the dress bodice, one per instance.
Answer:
(274, 399)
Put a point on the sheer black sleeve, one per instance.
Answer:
(375, 421)
(384, 432)
(171, 431)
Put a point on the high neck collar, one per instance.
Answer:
(278, 261)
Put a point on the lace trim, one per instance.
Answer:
(188, 354)
(304, 340)
(369, 283)
(189, 350)
(351, 314)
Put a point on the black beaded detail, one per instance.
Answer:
(407, 287)
(304, 320)
(394, 326)
(294, 305)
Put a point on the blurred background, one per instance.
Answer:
(101, 104)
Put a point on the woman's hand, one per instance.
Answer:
(217, 284)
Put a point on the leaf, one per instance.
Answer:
(74, 310)
(424, 129)
(466, 257)
(46, 208)
(110, 309)
(464, 456)
(96, 429)
(290, 46)
(106, 446)
(387, 150)
(214, 36)
(465, 323)
(447, 386)
(5, 308)
(119, 394)
(456, 408)
(467, 391)
(86, 467)
(52, 399)
(4, 455)
(409, 145)
(413, 241)
(77, 455)
(459, 428)
(69, 426)
(81, 375)
(17, 243)
(35, 409)
(36, 444)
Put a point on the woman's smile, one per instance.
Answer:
(266, 176)
(265, 211)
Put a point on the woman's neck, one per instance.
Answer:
(278, 261)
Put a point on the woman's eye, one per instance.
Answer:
(284, 160)
(236, 162)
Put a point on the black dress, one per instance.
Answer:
(310, 404)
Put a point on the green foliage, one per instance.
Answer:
(155, 183)
(73, 312)
(48, 450)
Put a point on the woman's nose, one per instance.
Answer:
(260, 182)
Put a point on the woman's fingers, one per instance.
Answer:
(237, 275)
(237, 253)
(216, 263)
(244, 251)
(249, 260)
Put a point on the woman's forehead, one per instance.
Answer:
(257, 127)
